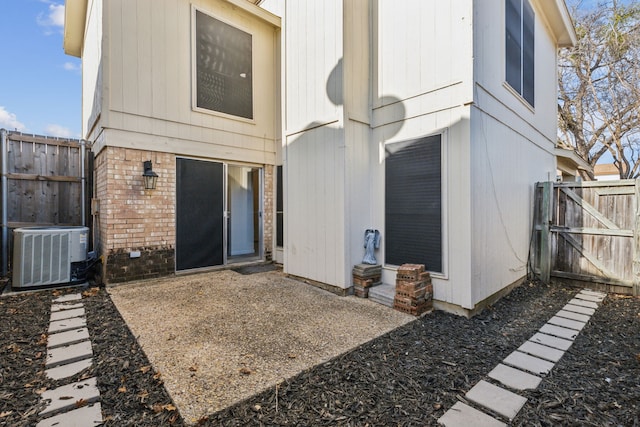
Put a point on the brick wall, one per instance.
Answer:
(132, 219)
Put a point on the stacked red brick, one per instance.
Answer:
(364, 277)
(414, 291)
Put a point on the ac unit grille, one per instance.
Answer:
(41, 259)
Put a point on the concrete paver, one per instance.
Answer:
(593, 293)
(461, 415)
(498, 399)
(514, 378)
(551, 341)
(583, 303)
(67, 324)
(529, 363)
(68, 370)
(90, 415)
(579, 309)
(541, 351)
(66, 306)
(65, 397)
(559, 331)
(67, 337)
(591, 298)
(573, 316)
(67, 314)
(567, 323)
(68, 354)
(67, 298)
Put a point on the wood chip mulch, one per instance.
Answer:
(408, 377)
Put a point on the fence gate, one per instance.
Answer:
(588, 232)
(43, 184)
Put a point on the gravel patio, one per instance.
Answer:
(407, 377)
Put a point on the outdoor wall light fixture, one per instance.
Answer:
(149, 176)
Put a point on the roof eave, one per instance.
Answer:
(560, 22)
(75, 14)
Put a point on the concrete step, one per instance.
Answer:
(383, 294)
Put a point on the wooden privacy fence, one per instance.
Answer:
(588, 232)
(43, 184)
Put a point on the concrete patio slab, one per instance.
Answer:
(67, 337)
(461, 415)
(90, 415)
(497, 399)
(529, 363)
(559, 331)
(65, 397)
(551, 341)
(515, 378)
(541, 351)
(573, 316)
(567, 323)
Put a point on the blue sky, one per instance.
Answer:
(40, 86)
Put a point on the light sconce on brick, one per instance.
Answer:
(149, 176)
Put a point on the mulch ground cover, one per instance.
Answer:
(408, 377)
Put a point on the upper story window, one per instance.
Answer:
(520, 52)
(223, 67)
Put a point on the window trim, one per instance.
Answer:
(194, 68)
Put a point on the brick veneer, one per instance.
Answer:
(131, 219)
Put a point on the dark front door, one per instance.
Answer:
(199, 214)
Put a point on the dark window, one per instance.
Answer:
(413, 203)
(520, 47)
(279, 209)
(223, 67)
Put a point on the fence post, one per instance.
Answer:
(4, 189)
(545, 232)
(636, 240)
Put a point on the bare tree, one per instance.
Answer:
(599, 85)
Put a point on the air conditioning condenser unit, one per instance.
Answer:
(48, 255)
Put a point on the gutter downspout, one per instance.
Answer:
(4, 188)
(83, 180)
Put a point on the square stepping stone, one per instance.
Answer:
(64, 398)
(68, 370)
(551, 341)
(541, 351)
(67, 324)
(90, 415)
(591, 298)
(497, 399)
(515, 378)
(68, 337)
(67, 298)
(68, 354)
(67, 314)
(567, 323)
(529, 363)
(573, 316)
(66, 306)
(461, 415)
(583, 303)
(579, 309)
(559, 331)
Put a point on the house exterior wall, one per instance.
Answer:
(512, 147)
(138, 78)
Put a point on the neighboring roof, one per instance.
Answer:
(559, 21)
(75, 13)
(568, 158)
(606, 169)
